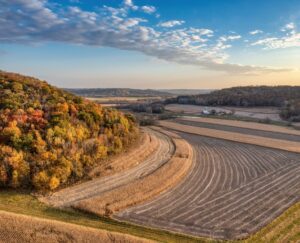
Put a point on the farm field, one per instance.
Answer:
(281, 144)
(71, 195)
(233, 190)
(14, 228)
(271, 113)
(146, 187)
(244, 124)
(248, 131)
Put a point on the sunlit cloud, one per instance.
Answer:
(171, 23)
(290, 38)
(37, 21)
(255, 32)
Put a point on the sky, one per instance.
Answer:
(179, 44)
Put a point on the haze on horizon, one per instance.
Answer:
(204, 44)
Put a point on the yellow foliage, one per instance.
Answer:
(41, 180)
(54, 183)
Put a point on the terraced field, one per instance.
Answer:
(233, 190)
(72, 195)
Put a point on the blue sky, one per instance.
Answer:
(152, 43)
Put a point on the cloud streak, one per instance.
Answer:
(290, 38)
(36, 21)
(171, 23)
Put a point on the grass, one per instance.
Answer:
(286, 228)
(22, 203)
(23, 228)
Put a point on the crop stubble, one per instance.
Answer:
(233, 190)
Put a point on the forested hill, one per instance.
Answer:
(49, 137)
(119, 92)
(286, 97)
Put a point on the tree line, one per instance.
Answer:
(285, 97)
(49, 137)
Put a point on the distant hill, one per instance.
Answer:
(50, 137)
(187, 91)
(286, 97)
(118, 92)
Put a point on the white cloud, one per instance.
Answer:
(130, 4)
(255, 32)
(148, 9)
(289, 26)
(171, 23)
(23, 21)
(291, 38)
(230, 38)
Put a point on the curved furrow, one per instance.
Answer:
(244, 201)
(97, 186)
(229, 180)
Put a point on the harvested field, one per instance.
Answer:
(143, 189)
(254, 132)
(233, 190)
(71, 195)
(20, 228)
(145, 147)
(234, 136)
(244, 124)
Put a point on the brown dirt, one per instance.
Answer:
(16, 228)
(140, 190)
(233, 136)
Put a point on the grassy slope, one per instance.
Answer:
(285, 228)
(26, 204)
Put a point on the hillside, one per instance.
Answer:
(286, 97)
(50, 137)
(118, 92)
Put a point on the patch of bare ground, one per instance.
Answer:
(71, 195)
(16, 228)
(243, 124)
(233, 136)
(140, 190)
(143, 148)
